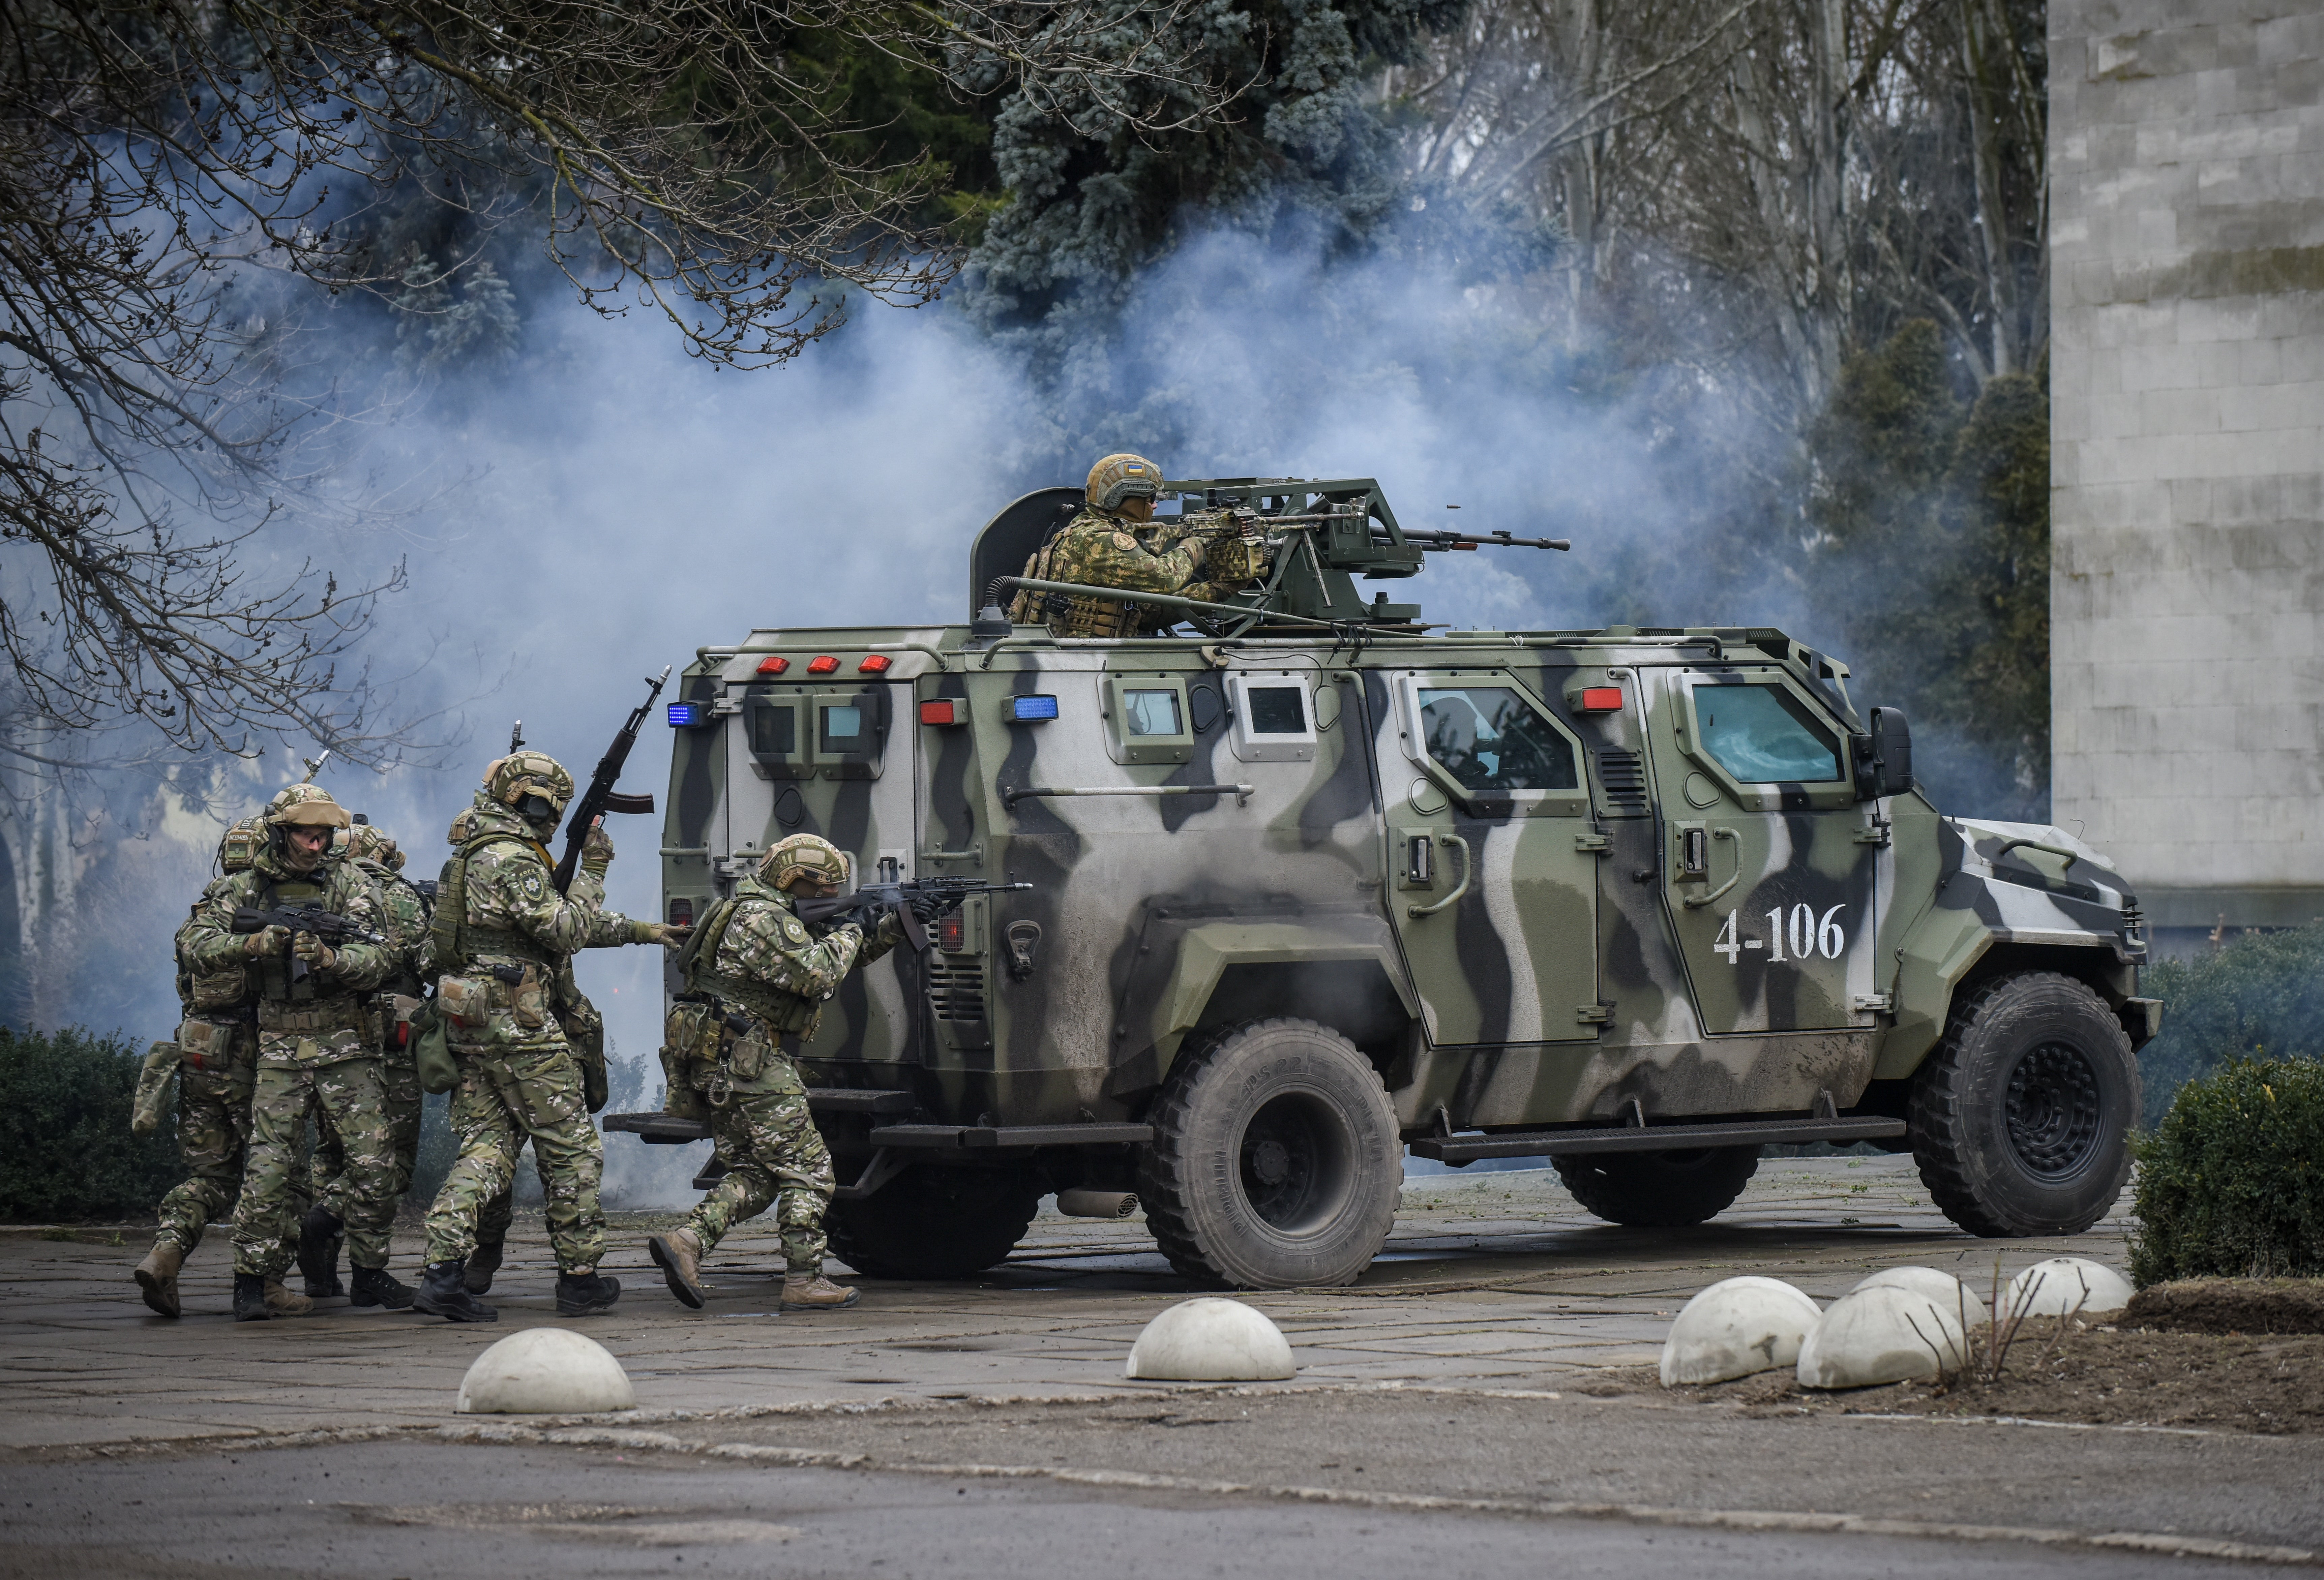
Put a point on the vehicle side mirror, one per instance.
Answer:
(1884, 758)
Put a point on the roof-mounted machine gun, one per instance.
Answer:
(1297, 545)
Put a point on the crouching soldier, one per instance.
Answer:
(502, 938)
(754, 964)
(315, 1056)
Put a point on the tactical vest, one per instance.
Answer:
(786, 1014)
(457, 943)
(275, 984)
(1071, 614)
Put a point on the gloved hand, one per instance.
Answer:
(927, 906)
(266, 940)
(319, 956)
(662, 933)
(596, 852)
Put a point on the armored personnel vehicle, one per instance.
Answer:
(1315, 883)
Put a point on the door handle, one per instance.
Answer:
(1695, 902)
(1468, 870)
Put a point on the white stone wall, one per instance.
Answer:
(2187, 584)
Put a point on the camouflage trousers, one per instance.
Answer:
(347, 1094)
(507, 1095)
(213, 1142)
(328, 1181)
(773, 1153)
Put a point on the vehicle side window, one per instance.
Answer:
(1763, 735)
(1151, 712)
(1489, 737)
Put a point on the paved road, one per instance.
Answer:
(1481, 1362)
(385, 1510)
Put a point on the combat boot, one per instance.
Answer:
(157, 1276)
(680, 1257)
(376, 1286)
(483, 1262)
(811, 1292)
(284, 1302)
(319, 1238)
(444, 1292)
(579, 1294)
(250, 1298)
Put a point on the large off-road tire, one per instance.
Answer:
(2021, 1119)
(1659, 1189)
(929, 1222)
(1276, 1161)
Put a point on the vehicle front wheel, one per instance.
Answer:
(1659, 1189)
(2021, 1119)
(929, 1222)
(1276, 1161)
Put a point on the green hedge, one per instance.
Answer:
(2262, 994)
(2231, 1184)
(66, 1151)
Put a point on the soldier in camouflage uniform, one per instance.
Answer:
(217, 1055)
(503, 938)
(404, 911)
(757, 960)
(1114, 542)
(314, 1055)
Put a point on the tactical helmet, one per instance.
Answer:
(806, 854)
(366, 843)
(457, 834)
(1121, 476)
(306, 803)
(534, 776)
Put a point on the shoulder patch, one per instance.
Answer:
(1124, 542)
(533, 889)
(793, 930)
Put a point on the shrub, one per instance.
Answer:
(66, 1151)
(2265, 990)
(2232, 1183)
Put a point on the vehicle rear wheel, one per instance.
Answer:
(1276, 1160)
(931, 1223)
(1659, 1189)
(2021, 1119)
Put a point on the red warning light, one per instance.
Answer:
(823, 664)
(877, 664)
(952, 933)
(773, 664)
(944, 713)
(1601, 699)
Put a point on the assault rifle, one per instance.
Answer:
(601, 797)
(864, 906)
(328, 925)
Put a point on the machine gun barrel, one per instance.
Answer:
(1472, 541)
(1159, 600)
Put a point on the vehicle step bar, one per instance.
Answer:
(980, 1136)
(669, 1130)
(1630, 1138)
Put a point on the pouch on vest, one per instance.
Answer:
(748, 1056)
(206, 1044)
(401, 1010)
(431, 1050)
(225, 988)
(153, 1093)
(467, 1001)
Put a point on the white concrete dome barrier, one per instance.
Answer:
(545, 1371)
(1952, 1293)
(1881, 1334)
(1737, 1327)
(2055, 1287)
(1211, 1340)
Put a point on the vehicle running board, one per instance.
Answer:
(992, 1135)
(670, 1130)
(1631, 1138)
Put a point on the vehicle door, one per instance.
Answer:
(836, 758)
(1493, 884)
(1767, 880)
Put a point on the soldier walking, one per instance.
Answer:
(502, 938)
(403, 912)
(755, 959)
(218, 1065)
(314, 1055)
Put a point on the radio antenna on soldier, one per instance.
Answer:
(315, 765)
(516, 738)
